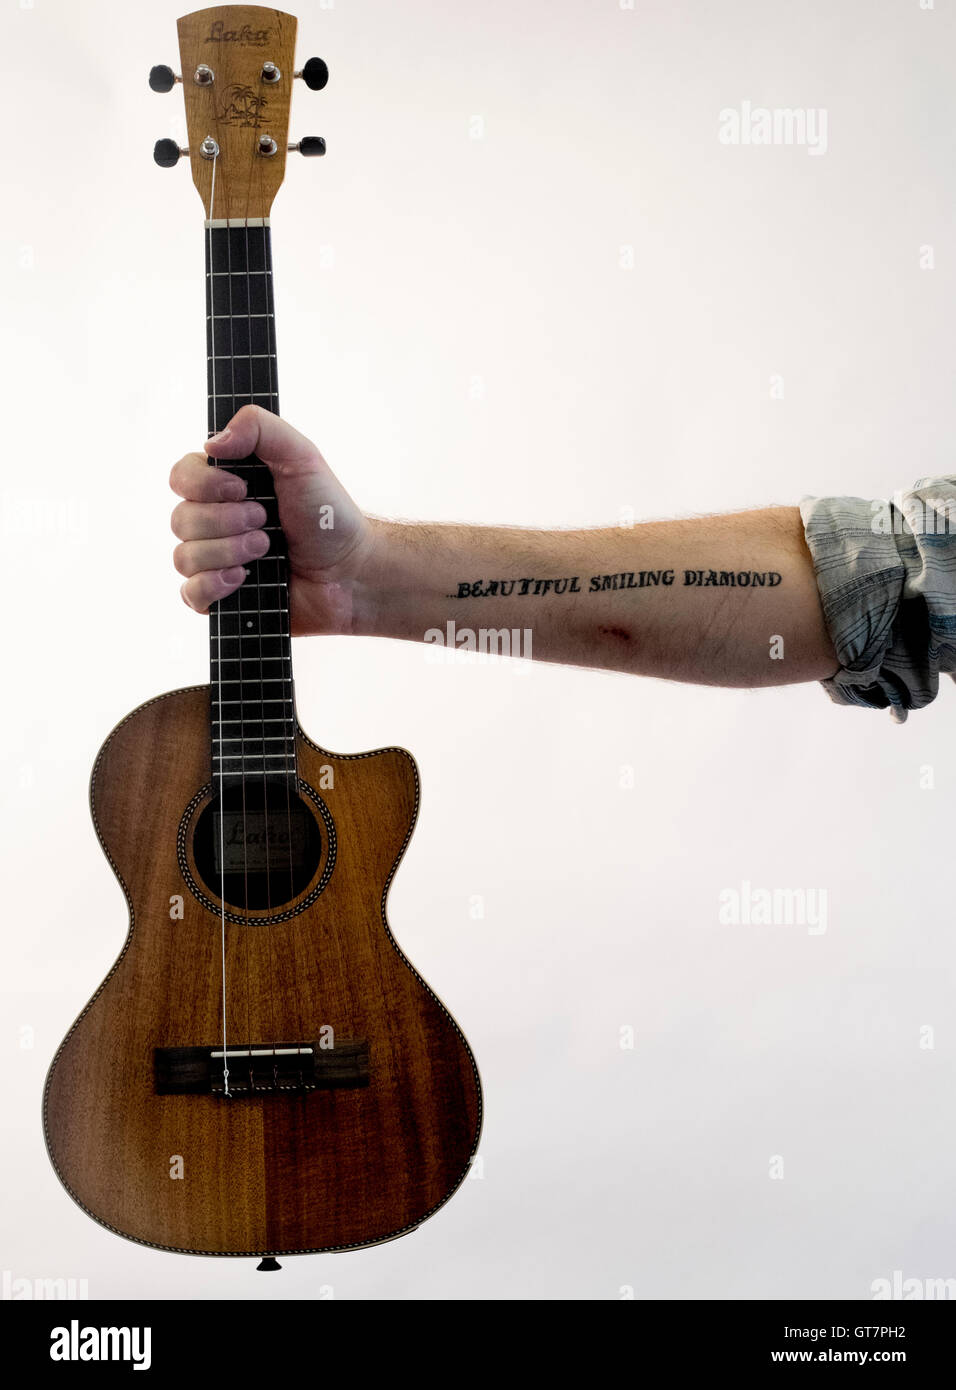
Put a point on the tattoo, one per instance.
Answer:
(627, 579)
(504, 588)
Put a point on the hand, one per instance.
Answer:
(219, 532)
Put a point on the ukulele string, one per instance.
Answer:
(281, 566)
(222, 784)
(241, 663)
(263, 476)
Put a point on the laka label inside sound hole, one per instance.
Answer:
(258, 845)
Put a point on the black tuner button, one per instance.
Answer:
(166, 153)
(315, 74)
(310, 145)
(162, 78)
(267, 1265)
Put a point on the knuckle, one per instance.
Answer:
(181, 561)
(178, 519)
(252, 545)
(231, 519)
(195, 597)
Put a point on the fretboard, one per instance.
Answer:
(252, 712)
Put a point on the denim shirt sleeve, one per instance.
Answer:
(886, 572)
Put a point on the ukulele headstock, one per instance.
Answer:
(237, 73)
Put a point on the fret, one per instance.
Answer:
(231, 674)
(249, 660)
(253, 758)
(248, 613)
(247, 396)
(268, 680)
(284, 719)
(276, 700)
(254, 767)
(231, 730)
(255, 738)
(232, 780)
(269, 631)
(260, 723)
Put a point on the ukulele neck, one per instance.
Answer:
(252, 704)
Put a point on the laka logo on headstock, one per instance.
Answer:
(246, 35)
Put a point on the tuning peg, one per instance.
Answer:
(167, 152)
(161, 78)
(309, 144)
(315, 74)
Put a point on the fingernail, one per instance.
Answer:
(234, 575)
(217, 438)
(235, 491)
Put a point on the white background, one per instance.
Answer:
(409, 262)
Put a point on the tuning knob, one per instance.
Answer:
(315, 74)
(310, 145)
(166, 153)
(162, 78)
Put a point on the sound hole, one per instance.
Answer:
(259, 846)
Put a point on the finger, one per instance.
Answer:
(192, 557)
(211, 586)
(192, 521)
(193, 478)
(253, 430)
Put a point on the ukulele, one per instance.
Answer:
(262, 1072)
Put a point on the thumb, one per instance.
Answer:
(253, 430)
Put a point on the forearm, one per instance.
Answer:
(724, 600)
(728, 600)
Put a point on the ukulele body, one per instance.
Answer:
(365, 1120)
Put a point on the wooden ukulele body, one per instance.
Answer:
(288, 1170)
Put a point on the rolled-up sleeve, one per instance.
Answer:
(886, 573)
